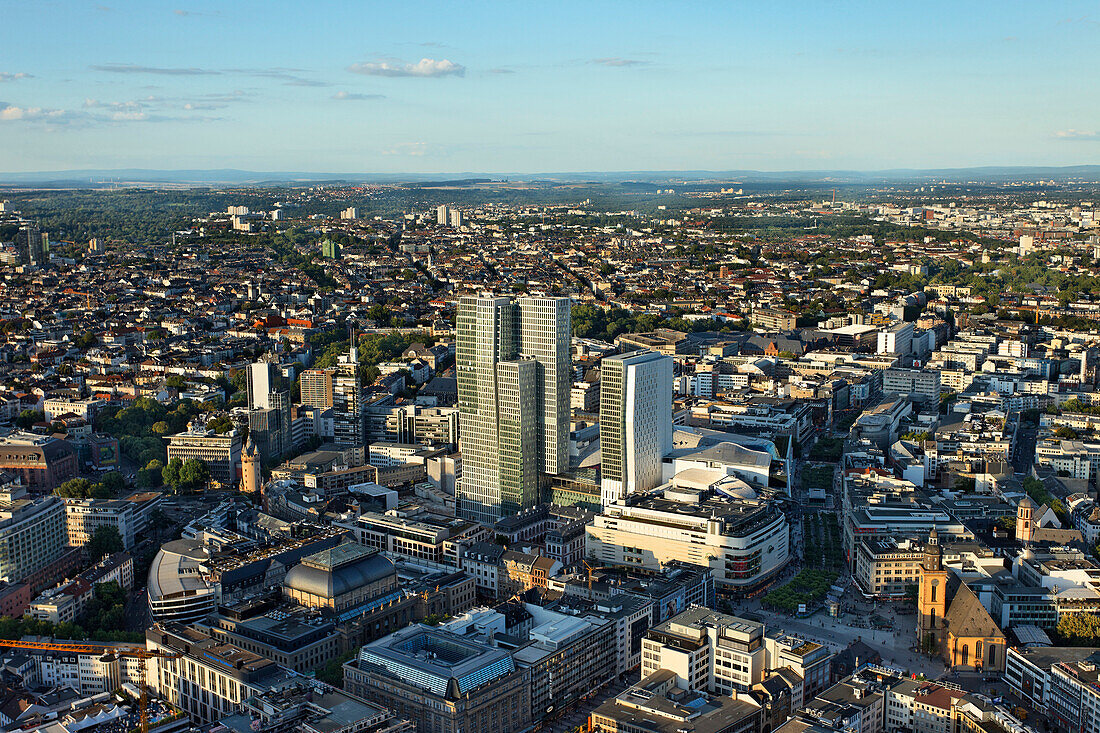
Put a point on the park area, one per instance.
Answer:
(809, 587)
(823, 547)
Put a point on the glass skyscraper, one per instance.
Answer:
(512, 362)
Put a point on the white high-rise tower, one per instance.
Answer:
(635, 422)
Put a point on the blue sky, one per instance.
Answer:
(527, 87)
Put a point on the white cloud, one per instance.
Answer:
(422, 68)
(356, 97)
(94, 111)
(10, 113)
(616, 61)
(1072, 134)
(10, 76)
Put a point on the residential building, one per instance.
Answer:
(42, 462)
(55, 407)
(773, 320)
(67, 601)
(347, 402)
(921, 707)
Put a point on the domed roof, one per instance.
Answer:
(341, 570)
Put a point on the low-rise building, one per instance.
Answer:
(659, 704)
(42, 462)
(700, 518)
(220, 453)
(207, 679)
(443, 681)
(84, 516)
(311, 706)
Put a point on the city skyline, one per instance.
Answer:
(651, 86)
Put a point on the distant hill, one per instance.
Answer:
(234, 177)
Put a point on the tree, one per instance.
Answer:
(1065, 432)
(1079, 629)
(333, 672)
(193, 474)
(114, 482)
(29, 417)
(151, 476)
(105, 540)
(170, 474)
(77, 488)
(220, 424)
(160, 427)
(159, 521)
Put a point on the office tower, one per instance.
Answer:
(330, 250)
(349, 213)
(269, 409)
(544, 334)
(262, 379)
(32, 246)
(32, 532)
(454, 216)
(635, 422)
(347, 401)
(315, 386)
(441, 215)
(512, 360)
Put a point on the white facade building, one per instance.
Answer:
(635, 422)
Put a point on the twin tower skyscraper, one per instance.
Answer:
(514, 369)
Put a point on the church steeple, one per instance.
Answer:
(933, 553)
(931, 595)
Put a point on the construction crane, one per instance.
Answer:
(139, 652)
(589, 568)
